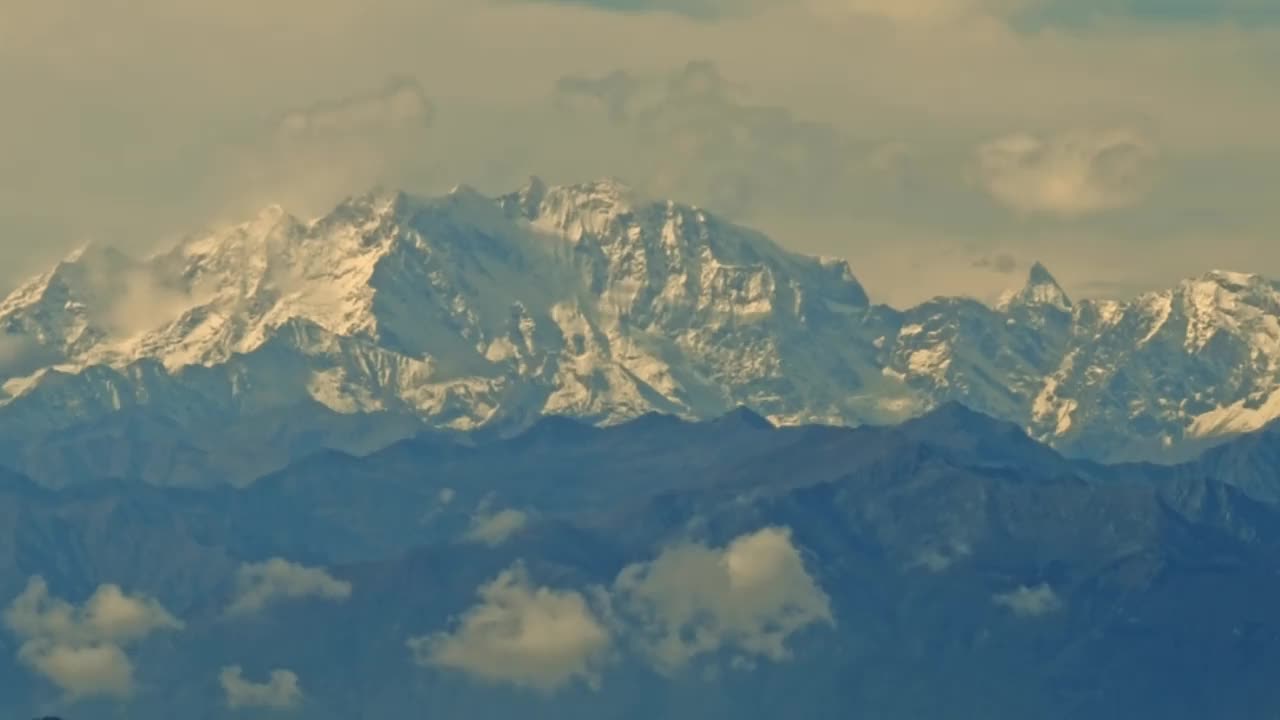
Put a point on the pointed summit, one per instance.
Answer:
(534, 189)
(1041, 290)
(1040, 275)
(743, 416)
(608, 192)
(528, 199)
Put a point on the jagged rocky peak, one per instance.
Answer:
(1232, 279)
(237, 248)
(626, 306)
(581, 210)
(1041, 290)
(364, 214)
(527, 201)
(1225, 287)
(1225, 293)
(842, 286)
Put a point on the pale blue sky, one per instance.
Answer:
(1126, 146)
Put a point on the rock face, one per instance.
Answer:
(467, 311)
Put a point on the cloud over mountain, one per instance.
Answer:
(747, 598)
(281, 691)
(260, 585)
(493, 528)
(1026, 601)
(534, 637)
(82, 649)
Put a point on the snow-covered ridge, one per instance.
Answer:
(591, 300)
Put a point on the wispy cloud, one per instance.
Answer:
(940, 558)
(1030, 601)
(400, 103)
(21, 355)
(494, 528)
(309, 157)
(1002, 263)
(260, 585)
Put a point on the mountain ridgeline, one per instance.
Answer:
(569, 453)
(948, 567)
(465, 311)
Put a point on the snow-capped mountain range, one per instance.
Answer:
(469, 311)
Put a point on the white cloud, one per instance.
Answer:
(82, 649)
(1030, 601)
(281, 691)
(82, 671)
(749, 598)
(259, 585)
(932, 560)
(534, 637)
(936, 558)
(1070, 174)
(108, 615)
(494, 528)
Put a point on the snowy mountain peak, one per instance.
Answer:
(611, 187)
(589, 301)
(591, 209)
(1238, 283)
(94, 252)
(1040, 290)
(467, 192)
(599, 303)
(1225, 294)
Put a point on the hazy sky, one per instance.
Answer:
(940, 145)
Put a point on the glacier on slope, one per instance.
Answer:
(590, 301)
